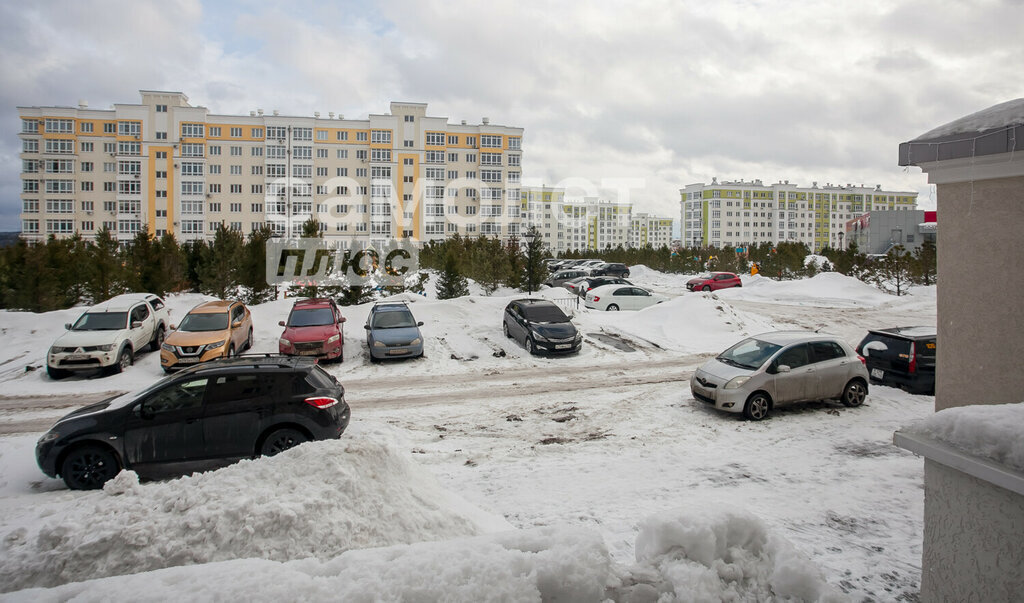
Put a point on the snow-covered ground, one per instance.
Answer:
(485, 473)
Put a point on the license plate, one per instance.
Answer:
(563, 346)
(309, 353)
(398, 351)
(877, 373)
(188, 361)
(76, 357)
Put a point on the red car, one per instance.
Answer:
(314, 329)
(713, 281)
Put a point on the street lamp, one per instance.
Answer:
(841, 248)
(530, 236)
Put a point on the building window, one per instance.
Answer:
(192, 130)
(192, 149)
(60, 126)
(380, 136)
(434, 157)
(60, 226)
(302, 133)
(302, 152)
(60, 146)
(85, 127)
(256, 133)
(380, 155)
(514, 143)
(32, 146)
(161, 108)
(489, 141)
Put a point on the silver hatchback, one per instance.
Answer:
(783, 367)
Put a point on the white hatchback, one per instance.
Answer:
(621, 297)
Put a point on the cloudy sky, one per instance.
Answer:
(654, 94)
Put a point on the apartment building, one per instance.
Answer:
(750, 212)
(589, 223)
(170, 167)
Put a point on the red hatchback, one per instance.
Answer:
(314, 329)
(714, 281)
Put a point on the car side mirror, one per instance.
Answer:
(67, 326)
(280, 323)
(342, 319)
(173, 327)
(236, 324)
(367, 327)
(783, 368)
(144, 411)
(419, 324)
(136, 324)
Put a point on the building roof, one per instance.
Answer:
(988, 132)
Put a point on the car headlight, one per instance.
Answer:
(49, 436)
(378, 344)
(333, 338)
(56, 350)
(539, 337)
(736, 382)
(215, 344)
(284, 342)
(105, 348)
(416, 341)
(167, 347)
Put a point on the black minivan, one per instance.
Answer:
(902, 357)
(204, 417)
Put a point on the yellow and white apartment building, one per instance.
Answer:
(169, 167)
(590, 223)
(749, 212)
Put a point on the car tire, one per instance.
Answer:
(280, 440)
(56, 373)
(706, 288)
(612, 308)
(374, 359)
(504, 328)
(248, 340)
(854, 393)
(528, 344)
(89, 467)
(757, 407)
(124, 360)
(158, 339)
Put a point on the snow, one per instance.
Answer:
(820, 262)
(988, 431)
(482, 473)
(1010, 113)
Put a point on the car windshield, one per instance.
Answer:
(101, 321)
(544, 314)
(314, 317)
(706, 276)
(393, 320)
(749, 353)
(204, 322)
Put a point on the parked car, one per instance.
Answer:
(901, 357)
(713, 281)
(392, 332)
(314, 328)
(109, 335)
(556, 279)
(211, 330)
(582, 285)
(203, 417)
(610, 269)
(621, 297)
(541, 326)
(768, 370)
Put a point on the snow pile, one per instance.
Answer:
(317, 500)
(723, 554)
(991, 431)
(820, 262)
(533, 565)
(828, 289)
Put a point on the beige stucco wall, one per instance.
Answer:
(980, 292)
(973, 549)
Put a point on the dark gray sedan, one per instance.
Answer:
(541, 326)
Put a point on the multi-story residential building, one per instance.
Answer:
(590, 223)
(650, 230)
(749, 212)
(170, 167)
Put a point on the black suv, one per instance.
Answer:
(902, 357)
(203, 417)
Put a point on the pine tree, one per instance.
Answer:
(534, 264)
(451, 283)
(893, 272)
(219, 271)
(171, 264)
(925, 263)
(105, 268)
(253, 268)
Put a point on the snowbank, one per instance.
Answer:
(991, 431)
(724, 554)
(317, 500)
(828, 289)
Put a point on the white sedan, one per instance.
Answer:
(621, 297)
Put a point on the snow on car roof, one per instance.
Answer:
(121, 303)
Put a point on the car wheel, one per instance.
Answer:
(124, 360)
(374, 359)
(504, 327)
(158, 340)
(248, 340)
(854, 393)
(706, 288)
(231, 350)
(612, 308)
(89, 467)
(280, 440)
(56, 373)
(529, 345)
(757, 407)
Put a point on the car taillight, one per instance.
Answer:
(913, 358)
(862, 359)
(322, 402)
(597, 298)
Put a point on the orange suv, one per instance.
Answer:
(214, 329)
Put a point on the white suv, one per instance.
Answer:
(109, 334)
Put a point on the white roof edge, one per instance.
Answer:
(975, 466)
